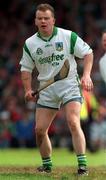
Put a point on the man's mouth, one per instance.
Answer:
(43, 26)
(104, 45)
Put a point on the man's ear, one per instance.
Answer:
(54, 20)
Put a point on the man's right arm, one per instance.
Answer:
(27, 66)
(26, 81)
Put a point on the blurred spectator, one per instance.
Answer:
(13, 107)
(102, 62)
(7, 130)
(25, 128)
(98, 130)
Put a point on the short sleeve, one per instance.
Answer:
(79, 48)
(27, 63)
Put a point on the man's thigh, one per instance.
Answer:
(44, 117)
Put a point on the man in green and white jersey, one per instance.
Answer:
(47, 50)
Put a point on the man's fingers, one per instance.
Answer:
(87, 85)
(29, 97)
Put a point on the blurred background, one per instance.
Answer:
(87, 18)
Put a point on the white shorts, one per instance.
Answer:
(60, 93)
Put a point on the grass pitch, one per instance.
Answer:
(20, 164)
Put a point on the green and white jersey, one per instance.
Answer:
(49, 55)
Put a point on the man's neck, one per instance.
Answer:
(47, 36)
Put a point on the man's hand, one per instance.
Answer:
(86, 83)
(29, 96)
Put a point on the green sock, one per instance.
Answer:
(82, 160)
(47, 162)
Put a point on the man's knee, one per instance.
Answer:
(40, 134)
(39, 131)
(74, 126)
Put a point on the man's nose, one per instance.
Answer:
(43, 20)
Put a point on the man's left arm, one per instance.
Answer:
(86, 81)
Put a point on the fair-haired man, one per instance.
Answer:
(48, 49)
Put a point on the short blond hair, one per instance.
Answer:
(45, 7)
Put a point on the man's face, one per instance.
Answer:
(45, 22)
(104, 41)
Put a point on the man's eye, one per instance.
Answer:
(46, 18)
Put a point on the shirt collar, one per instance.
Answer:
(53, 34)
